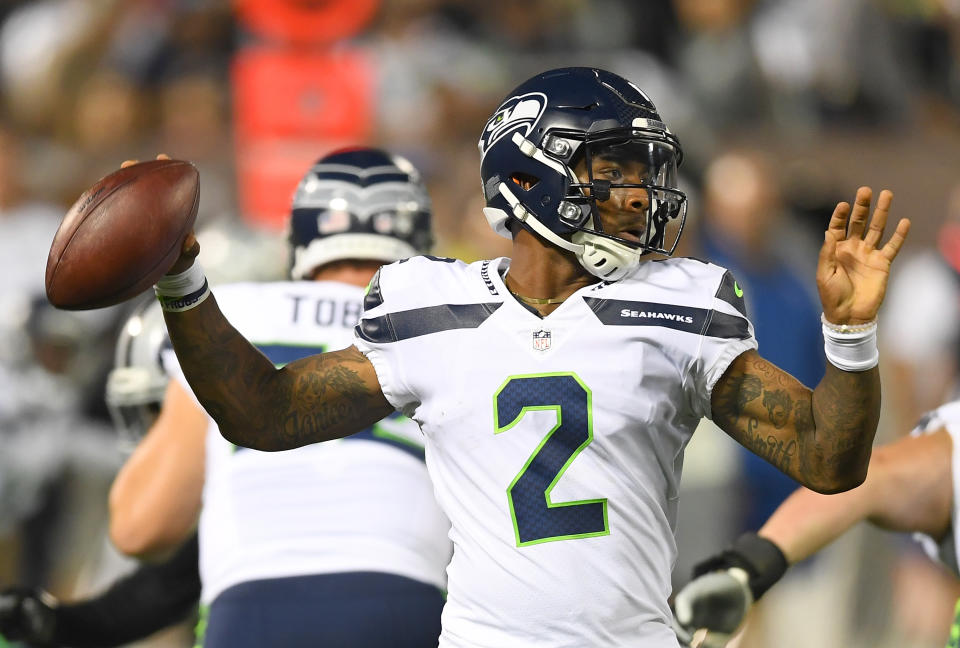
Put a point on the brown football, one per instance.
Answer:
(122, 234)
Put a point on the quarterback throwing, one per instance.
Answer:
(556, 390)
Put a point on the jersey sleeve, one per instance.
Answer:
(376, 338)
(945, 550)
(727, 333)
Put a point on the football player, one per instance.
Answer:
(911, 486)
(557, 389)
(337, 544)
(153, 596)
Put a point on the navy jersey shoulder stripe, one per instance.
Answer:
(726, 326)
(730, 292)
(416, 322)
(618, 312)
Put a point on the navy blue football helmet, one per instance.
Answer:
(568, 139)
(358, 203)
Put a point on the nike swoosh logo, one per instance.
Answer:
(737, 290)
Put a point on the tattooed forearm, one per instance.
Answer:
(846, 410)
(256, 405)
(777, 451)
(328, 398)
(821, 438)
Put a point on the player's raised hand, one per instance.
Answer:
(853, 269)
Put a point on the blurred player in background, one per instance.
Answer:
(557, 389)
(912, 485)
(354, 210)
(155, 595)
(336, 544)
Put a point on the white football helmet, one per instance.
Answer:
(137, 382)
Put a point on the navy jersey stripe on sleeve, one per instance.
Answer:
(723, 325)
(730, 292)
(404, 325)
(618, 312)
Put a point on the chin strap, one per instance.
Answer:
(524, 215)
(609, 260)
(601, 257)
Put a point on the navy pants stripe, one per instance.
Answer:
(357, 609)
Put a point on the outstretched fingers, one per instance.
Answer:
(879, 220)
(892, 248)
(827, 262)
(838, 221)
(859, 213)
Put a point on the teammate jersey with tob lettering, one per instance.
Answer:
(555, 444)
(361, 504)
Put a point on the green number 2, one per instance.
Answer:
(536, 518)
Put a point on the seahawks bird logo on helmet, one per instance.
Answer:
(358, 203)
(540, 152)
(137, 383)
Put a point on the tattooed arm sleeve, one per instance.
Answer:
(322, 397)
(821, 438)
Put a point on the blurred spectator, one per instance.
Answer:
(436, 85)
(921, 324)
(715, 57)
(739, 222)
(796, 64)
(928, 37)
(38, 43)
(745, 230)
(27, 227)
(193, 125)
(107, 122)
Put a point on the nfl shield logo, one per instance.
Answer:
(541, 340)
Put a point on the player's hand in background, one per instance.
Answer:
(710, 608)
(852, 270)
(28, 616)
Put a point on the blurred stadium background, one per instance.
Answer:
(783, 108)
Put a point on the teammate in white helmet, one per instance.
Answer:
(557, 389)
(338, 544)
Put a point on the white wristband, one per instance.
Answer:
(181, 292)
(851, 348)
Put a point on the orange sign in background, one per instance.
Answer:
(292, 103)
(310, 22)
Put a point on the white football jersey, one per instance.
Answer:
(947, 550)
(359, 504)
(555, 444)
